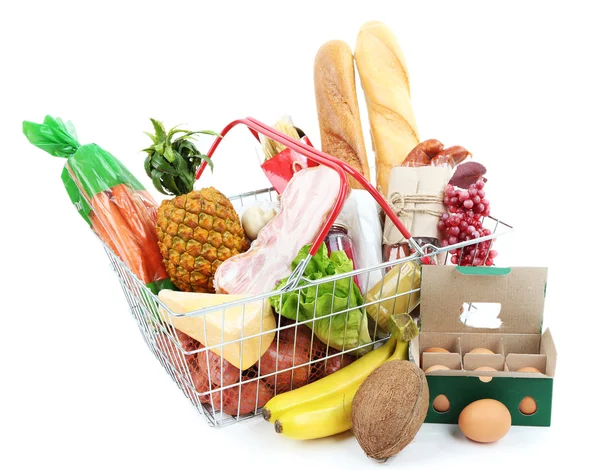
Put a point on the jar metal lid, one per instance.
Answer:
(341, 225)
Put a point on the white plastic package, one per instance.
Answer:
(361, 214)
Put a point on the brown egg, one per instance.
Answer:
(528, 406)
(481, 351)
(529, 369)
(437, 350)
(485, 420)
(441, 404)
(436, 367)
(486, 379)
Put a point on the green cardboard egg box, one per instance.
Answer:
(500, 309)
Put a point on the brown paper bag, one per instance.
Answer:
(416, 195)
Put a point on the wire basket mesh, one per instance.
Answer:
(284, 354)
(229, 359)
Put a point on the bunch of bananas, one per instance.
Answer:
(323, 408)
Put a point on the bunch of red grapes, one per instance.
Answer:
(464, 221)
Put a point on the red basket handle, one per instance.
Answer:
(354, 173)
(320, 157)
(302, 149)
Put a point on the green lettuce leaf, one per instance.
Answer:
(347, 330)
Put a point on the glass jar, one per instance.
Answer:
(338, 239)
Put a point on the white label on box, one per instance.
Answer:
(481, 314)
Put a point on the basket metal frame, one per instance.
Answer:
(161, 339)
(155, 319)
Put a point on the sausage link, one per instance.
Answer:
(453, 155)
(423, 152)
(431, 147)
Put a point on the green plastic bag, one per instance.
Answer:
(108, 197)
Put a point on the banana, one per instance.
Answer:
(319, 418)
(347, 379)
(336, 383)
(328, 416)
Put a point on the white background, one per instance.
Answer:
(514, 82)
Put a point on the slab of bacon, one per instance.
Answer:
(305, 204)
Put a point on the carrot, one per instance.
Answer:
(127, 222)
(142, 226)
(99, 229)
(117, 230)
(156, 266)
(131, 213)
(149, 202)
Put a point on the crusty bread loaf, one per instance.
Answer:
(337, 107)
(384, 79)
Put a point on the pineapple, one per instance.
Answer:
(197, 230)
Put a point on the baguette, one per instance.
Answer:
(385, 82)
(337, 107)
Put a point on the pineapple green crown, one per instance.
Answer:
(172, 164)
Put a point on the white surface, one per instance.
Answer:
(515, 83)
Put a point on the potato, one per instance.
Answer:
(198, 375)
(282, 355)
(200, 380)
(248, 397)
(326, 367)
(220, 371)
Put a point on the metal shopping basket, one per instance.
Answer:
(295, 356)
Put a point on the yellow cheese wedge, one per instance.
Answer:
(224, 325)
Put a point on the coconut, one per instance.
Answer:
(389, 408)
